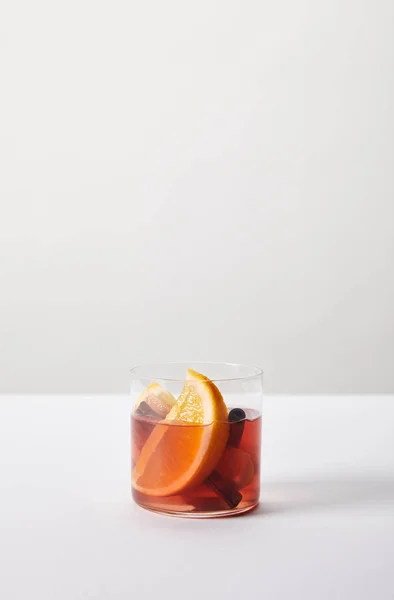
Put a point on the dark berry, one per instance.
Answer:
(236, 414)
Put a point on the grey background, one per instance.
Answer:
(208, 180)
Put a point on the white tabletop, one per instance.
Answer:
(69, 530)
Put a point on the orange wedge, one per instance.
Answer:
(157, 398)
(184, 448)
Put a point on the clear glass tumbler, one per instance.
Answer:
(196, 438)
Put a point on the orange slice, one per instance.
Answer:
(157, 398)
(184, 449)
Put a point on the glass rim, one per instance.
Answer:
(149, 374)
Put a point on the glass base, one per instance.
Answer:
(231, 512)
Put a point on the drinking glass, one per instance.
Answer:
(196, 438)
